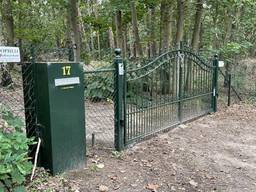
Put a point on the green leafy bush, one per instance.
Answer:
(99, 82)
(233, 49)
(14, 164)
(100, 87)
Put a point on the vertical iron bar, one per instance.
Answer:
(124, 96)
(180, 94)
(229, 89)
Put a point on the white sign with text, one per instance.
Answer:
(67, 81)
(221, 64)
(9, 54)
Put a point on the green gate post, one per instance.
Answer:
(119, 102)
(215, 82)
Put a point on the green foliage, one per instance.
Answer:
(117, 155)
(14, 164)
(11, 120)
(94, 167)
(230, 50)
(252, 98)
(100, 85)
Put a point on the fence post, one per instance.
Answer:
(215, 82)
(229, 89)
(119, 102)
(70, 53)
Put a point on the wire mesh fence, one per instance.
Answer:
(239, 78)
(99, 105)
(17, 101)
(243, 77)
(17, 83)
(11, 89)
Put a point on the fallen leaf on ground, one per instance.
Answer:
(183, 126)
(103, 188)
(100, 166)
(193, 183)
(152, 187)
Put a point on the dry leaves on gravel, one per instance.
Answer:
(152, 187)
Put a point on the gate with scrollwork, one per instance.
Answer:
(175, 87)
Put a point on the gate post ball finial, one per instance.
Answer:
(118, 51)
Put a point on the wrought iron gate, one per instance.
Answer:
(173, 88)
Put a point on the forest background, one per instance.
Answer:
(143, 29)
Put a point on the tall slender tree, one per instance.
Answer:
(8, 21)
(197, 25)
(152, 32)
(119, 31)
(138, 47)
(111, 38)
(180, 21)
(165, 25)
(75, 29)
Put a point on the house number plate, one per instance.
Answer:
(67, 81)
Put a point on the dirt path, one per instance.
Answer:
(214, 153)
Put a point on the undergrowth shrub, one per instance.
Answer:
(14, 160)
(100, 85)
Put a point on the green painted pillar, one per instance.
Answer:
(119, 100)
(60, 115)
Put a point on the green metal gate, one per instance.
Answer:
(175, 87)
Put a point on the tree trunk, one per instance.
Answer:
(91, 39)
(7, 18)
(131, 48)
(68, 35)
(8, 25)
(152, 29)
(180, 19)
(84, 41)
(138, 47)
(165, 40)
(98, 42)
(228, 27)
(76, 39)
(201, 36)
(20, 43)
(119, 35)
(195, 41)
(197, 25)
(165, 25)
(125, 40)
(216, 39)
(111, 38)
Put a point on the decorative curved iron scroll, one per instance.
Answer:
(139, 72)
